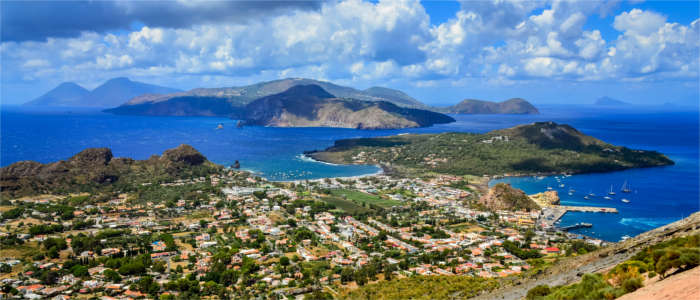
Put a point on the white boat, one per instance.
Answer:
(625, 237)
(607, 198)
(625, 200)
(549, 188)
(611, 190)
(625, 188)
(586, 197)
(561, 185)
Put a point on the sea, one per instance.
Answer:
(658, 195)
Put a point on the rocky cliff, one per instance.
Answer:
(96, 168)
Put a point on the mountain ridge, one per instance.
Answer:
(312, 106)
(110, 93)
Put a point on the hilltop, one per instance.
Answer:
(538, 148)
(112, 93)
(510, 106)
(312, 106)
(96, 168)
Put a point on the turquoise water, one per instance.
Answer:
(661, 195)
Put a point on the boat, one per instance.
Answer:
(220, 126)
(561, 185)
(607, 198)
(625, 200)
(625, 188)
(625, 237)
(611, 190)
(549, 188)
(591, 194)
(586, 197)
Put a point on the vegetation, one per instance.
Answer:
(424, 287)
(678, 254)
(527, 149)
(95, 169)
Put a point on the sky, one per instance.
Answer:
(440, 52)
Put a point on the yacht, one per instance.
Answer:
(586, 197)
(625, 200)
(549, 188)
(625, 188)
(611, 190)
(607, 198)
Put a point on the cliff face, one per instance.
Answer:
(312, 106)
(95, 168)
(502, 196)
(511, 106)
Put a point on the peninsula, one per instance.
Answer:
(538, 148)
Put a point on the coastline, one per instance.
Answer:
(304, 156)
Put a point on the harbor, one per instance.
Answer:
(551, 215)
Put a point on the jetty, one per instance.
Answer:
(552, 214)
(576, 226)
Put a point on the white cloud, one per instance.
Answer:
(357, 41)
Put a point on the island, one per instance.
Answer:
(533, 149)
(473, 106)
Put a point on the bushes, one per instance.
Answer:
(680, 253)
(538, 292)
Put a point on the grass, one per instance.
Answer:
(357, 196)
(345, 205)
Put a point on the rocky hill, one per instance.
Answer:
(312, 106)
(96, 168)
(502, 196)
(113, 92)
(472, 106)
(539, 148)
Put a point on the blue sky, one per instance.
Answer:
(441, 52)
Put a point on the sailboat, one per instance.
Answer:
(625, 188)
(611, 190)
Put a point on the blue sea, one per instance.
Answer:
(659, 195)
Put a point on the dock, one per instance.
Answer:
(577, 226)
(552, 214)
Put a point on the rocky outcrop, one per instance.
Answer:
(503, 196)
(96, 168)
(546, 198)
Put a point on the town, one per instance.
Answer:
(237, 235)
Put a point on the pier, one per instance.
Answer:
(552, 214)
(576, 226)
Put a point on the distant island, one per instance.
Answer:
(112, 93)
(312, 106)
(607, 101)
(372, 108)
(538, 148)
(510, 106)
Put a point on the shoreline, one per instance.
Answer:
(303, 156)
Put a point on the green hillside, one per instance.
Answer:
(537, 148)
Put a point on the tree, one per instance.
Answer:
(347, 275)
(112, 275)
